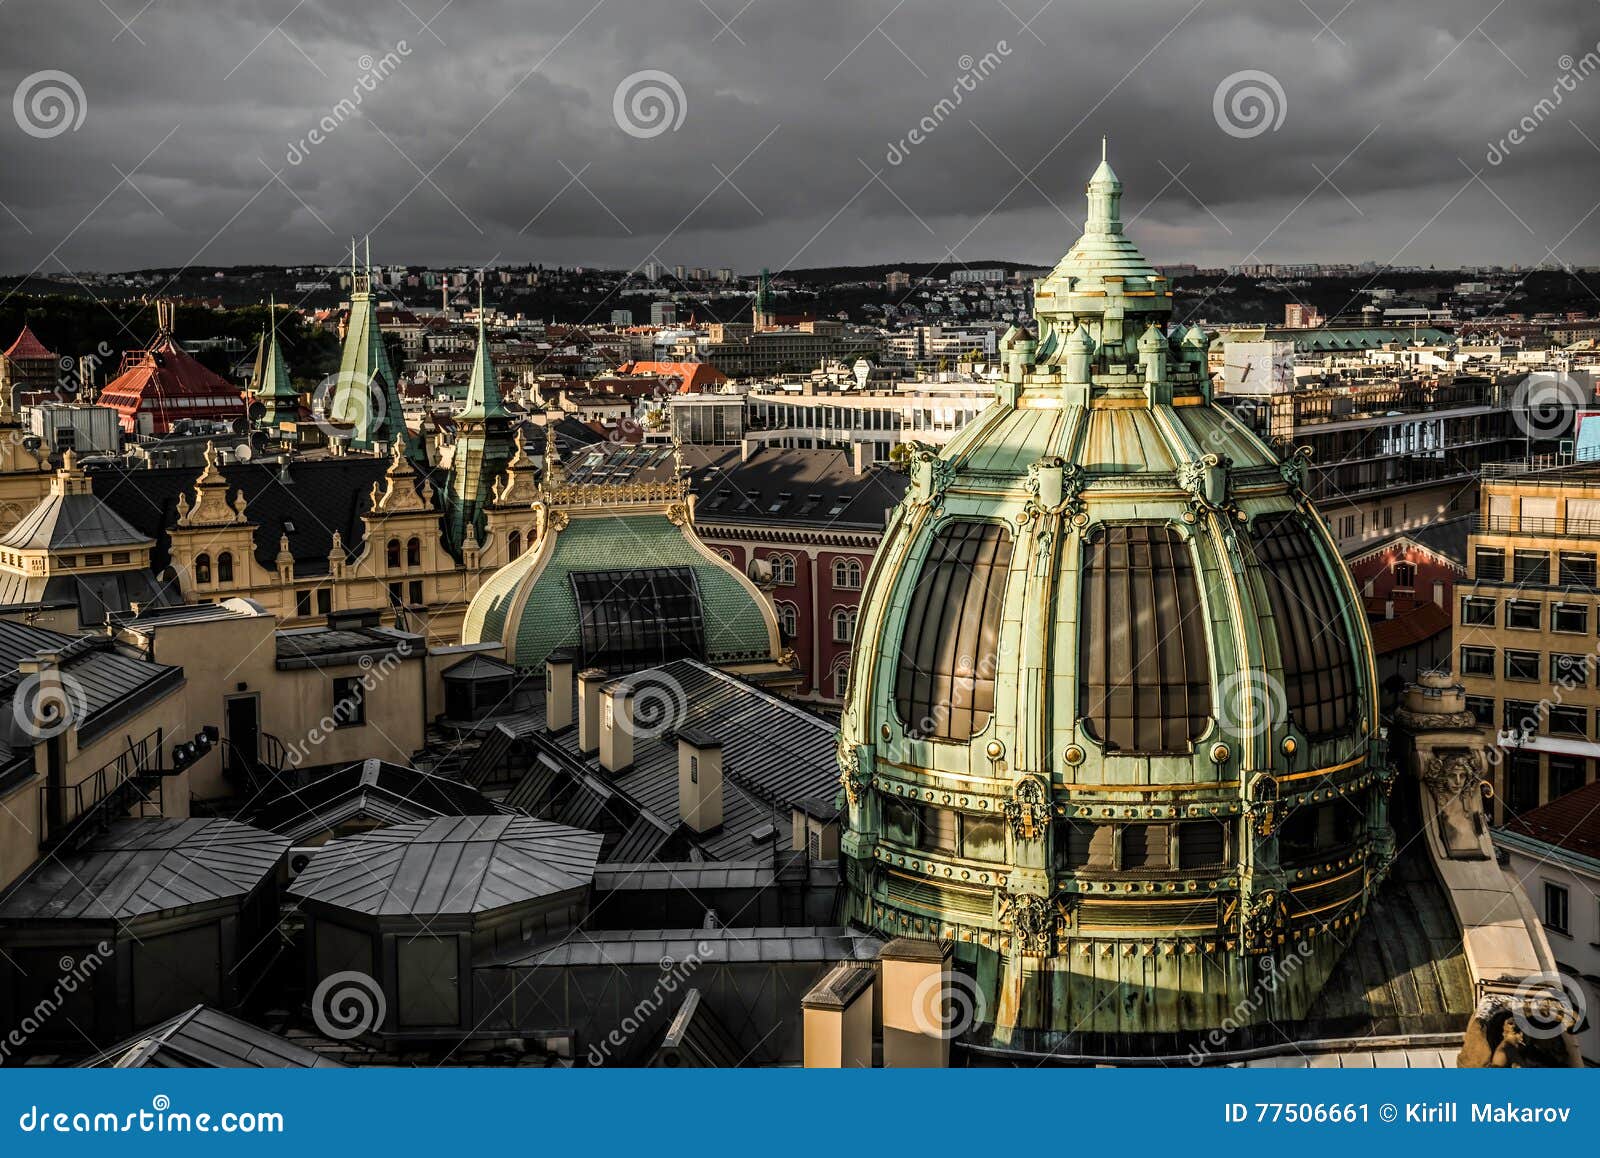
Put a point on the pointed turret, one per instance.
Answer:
(483, 448)
(272, 388)
(365, 396)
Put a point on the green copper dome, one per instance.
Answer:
(1112, 720)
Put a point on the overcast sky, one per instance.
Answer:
(492, 131)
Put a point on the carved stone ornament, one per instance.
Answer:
(1262, 921)
(1293, 461)
(1265, 809)
(1033, 920)
(850, 775)
(1028, 810)
(931, 476)
(1455, 782)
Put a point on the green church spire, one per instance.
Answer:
(484, 445)
(272, 388)
(365, 394)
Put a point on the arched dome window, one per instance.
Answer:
(1319, 673)
(391, 554)
(944, 684)
(1144, 667)
(514, 544)
(783, 569)
(788, 619)
(847, 574)
(413, 552)
(225, 567)
(202, 569)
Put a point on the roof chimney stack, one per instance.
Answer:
(699, 780)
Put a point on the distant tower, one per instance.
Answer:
(761, 315)
(484, 445)
(365, 394)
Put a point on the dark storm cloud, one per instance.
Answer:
(489, 132)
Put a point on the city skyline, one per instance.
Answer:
(614, 132)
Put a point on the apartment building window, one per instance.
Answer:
(1571, 670)
(324, 600)
(1522, 782)
(1524, 614)
(1530, 566)
(1477, 661)
(1482, 709)
(1573, 723)
(414, 592)
(1347, 527)
(1522, 665)
(1520, 716)
(1477, 611)
(349, 702)
(1567, 774)
(1570, 617)
(1405, 575)
(302, 603)
(782, 569)
(396, 594)
(1489, 565)
(847, 574)
(788, 619)
(1556, 907)
(1577, 569)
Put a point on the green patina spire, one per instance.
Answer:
(484, 445)
(272, 387)
(365, 394)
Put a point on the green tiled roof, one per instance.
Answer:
(735, 624)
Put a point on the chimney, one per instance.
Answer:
(747, 449)
(814, 826)
(916, 975)
(699, 780)
(616, 726)
(837, 1018)
(558, 691)
(44, 709)
(864, 456)
(589, 681)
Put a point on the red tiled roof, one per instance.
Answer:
(690, 376)
(1571, 822)
(27, 346)
(167, 383)
(1407, 630)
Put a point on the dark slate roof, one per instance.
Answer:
(373, 790)
(774, 753)
(1570, 822)
(790, 488)
(105, 684)
(96, 594)
(206, 1038)
(1447, 538)
(453, 865)
(323, 495)
(141, 868)
(648, 947)
(479, 667)
(64, 522)
(303, 648)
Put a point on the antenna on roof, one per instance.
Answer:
(1102, 146)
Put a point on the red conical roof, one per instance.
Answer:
(27, 346)
(166, 383)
